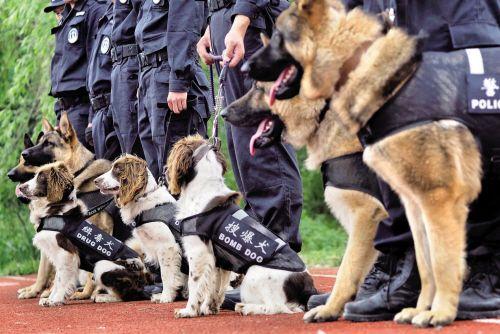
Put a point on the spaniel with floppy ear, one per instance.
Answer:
(195, 170)
(137, 194)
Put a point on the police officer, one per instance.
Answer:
(57, 7)
(393, 283)
(104, 139)
(173, 90)
(270, 181)
(125, 75)
(75, 37)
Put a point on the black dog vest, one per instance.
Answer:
(350, 172)
(93, 243)
(447, 85)
(239, 241)
(165, 213)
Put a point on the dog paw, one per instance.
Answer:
(320, 314)
(184, 313)
(105, 298)
(209, 309)
(79, 296)
(406, 315)
(240, 308)
(433, 318)
(45, 293)
(47, 302)
(161, 298)
(27, 294)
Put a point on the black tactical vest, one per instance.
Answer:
(239, 241)
(93, 243)
(444, 87)
(165, 213)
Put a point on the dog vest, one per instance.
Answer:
(462, 85)
(165, 213)
(93, 243)
(350, 172)
(239, 241)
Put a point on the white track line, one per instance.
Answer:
(2, 284)
(20, 278)
(489, 321)
(326, 276)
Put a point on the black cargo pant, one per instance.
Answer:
(78, 115)
(270, 181)
(106, 145)
(160, 128)
(124, 85)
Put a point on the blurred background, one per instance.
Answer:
(26, 48)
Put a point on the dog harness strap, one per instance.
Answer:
(350, 172)
(164, 213)
(94, 201)
(239, 241)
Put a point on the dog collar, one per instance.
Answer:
(201, 151)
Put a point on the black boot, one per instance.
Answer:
(480, 297)
(231, 298)
(377, 276)
(399, 291)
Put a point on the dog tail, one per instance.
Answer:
(299, 287)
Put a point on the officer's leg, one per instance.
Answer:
(144, 119)
(111, 141)
(124, 85)
(99, 133)
(270, 181)
(79, 117)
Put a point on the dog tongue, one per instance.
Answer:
(258, 133)
(276, 85)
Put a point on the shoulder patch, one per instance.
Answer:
(80, 13)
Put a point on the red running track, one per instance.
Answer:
(25, 316)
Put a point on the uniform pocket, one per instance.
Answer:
(75, 35)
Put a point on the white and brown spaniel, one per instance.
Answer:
(139, 197)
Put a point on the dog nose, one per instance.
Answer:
(97, 182)
(11, 174)
(223, 113)
(246, 67)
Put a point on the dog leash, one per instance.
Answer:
(218, 100)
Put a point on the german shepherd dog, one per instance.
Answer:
(61, 145)
(358, 211)
(53, 189)
(434, 166)
(22, 173)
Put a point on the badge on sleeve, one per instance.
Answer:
(73, 35)
(156, 2)
(123, 1)
(483, 92)
(105, 45)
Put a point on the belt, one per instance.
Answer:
(215, 5)
(67, 102)
(100, 101)
(153, 59)
(124, 51)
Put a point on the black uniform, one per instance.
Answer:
(125, 75)
(451, 25)
(270, 181)
(75, 38)
(167, 33)
(99, 85)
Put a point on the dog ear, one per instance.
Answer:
(59, 183)
(264, 38)
(315, 10)
(46, 126)
(40, 135)
(67, 129)
(180, 163)
(133, 176)
(27, 141)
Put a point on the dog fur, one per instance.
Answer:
(436, 194)
(358, 212)
(263, 290)
(136, 191)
